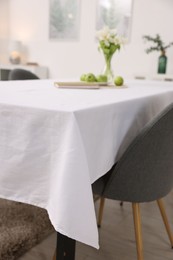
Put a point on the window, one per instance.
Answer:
(64, 19)
(115, 14)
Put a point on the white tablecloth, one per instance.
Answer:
(55, 142)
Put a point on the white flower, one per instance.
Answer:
(109, 36)
(103, 34)
(107, 43)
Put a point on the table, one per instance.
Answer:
(54, 143)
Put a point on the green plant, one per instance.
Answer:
(159, 45)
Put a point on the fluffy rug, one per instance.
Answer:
(22, 226)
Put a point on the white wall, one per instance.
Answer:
(29, 22)
(4, 28)
(4, 18)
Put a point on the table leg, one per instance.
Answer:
(65, 248)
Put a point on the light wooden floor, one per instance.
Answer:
(117, 235)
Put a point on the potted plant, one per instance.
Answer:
(160, 46)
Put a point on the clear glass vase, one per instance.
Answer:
(108, 68)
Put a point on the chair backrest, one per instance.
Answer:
(21, 74)
(145, 171)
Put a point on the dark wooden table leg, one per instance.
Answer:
(65, 248)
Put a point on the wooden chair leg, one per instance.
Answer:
(54, 256)
(165, 220)
(100, 215)
(138, 230)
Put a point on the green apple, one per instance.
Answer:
(90, 77)
(118, 81)
(83, 77)
(102, 78)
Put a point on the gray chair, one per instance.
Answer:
(21, 74)
(144, 173)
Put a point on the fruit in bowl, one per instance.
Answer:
(83, 77)
(89, 77)
(118, 81)
(102, 78)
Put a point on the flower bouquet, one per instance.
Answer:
(109, 43)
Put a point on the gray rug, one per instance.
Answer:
(22, 226)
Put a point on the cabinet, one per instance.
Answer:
(162, 77)
(40, 71)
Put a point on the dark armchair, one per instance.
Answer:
(144, 173)
(21, 74)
